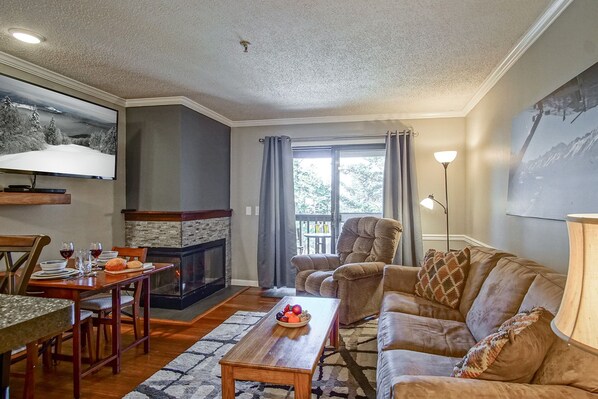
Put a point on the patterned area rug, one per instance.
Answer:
(349, 372)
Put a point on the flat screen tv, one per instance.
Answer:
(44, 132)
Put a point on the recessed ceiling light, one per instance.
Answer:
(26, 36)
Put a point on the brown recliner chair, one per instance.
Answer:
(354, 275)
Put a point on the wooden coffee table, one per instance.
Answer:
(279, 355)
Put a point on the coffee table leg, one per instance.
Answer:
(228, 382)
(334, 333)
(302, 386)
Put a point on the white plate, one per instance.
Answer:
(146, 266)
(295, 325)
(41, 275)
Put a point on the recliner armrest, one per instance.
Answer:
(422, 387)
(400, 278)
(356, 271)
(315, 262)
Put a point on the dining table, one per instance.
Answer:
(80, 287)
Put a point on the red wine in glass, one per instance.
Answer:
(95, 249)
(67, 249)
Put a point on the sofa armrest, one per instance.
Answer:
(400, 278)
(356, 271)
(315, 262)
(427, 387)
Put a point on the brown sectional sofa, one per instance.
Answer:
(419, 341)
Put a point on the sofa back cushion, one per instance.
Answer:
(501, 296)
(546, 291)
(482, 261)
(368, 239)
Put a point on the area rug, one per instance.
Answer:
(349, 372)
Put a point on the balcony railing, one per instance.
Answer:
(317, 233)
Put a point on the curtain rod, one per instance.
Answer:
(355, 137)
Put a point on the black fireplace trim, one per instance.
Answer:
(173, 302)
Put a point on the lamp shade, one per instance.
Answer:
(445, 156)
(427, 203)
(577, 319)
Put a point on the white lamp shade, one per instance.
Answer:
(577, 319)
(445, 156)
(427, 203)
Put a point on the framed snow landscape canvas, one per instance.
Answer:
(554, 152)
(46, 132)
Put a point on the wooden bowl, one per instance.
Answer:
(294, 325)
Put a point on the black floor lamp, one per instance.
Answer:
(445, 158)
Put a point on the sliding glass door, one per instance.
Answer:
(332, 184)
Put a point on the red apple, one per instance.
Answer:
(287, 308)
(297, 309)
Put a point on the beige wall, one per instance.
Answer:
(569, 46)
(434, 135)
(94, 213)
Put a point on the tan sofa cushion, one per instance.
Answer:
(368, 239)
(501, 296)
(423, 334)
(546, 291)
(413, 304)
(568, 365)
(394, 363)
(513, 353)
(442, 277)
(481, 262)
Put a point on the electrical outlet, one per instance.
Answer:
(257, 210)
(248, 210)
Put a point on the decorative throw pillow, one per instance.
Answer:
(512, 354)
(442, 277)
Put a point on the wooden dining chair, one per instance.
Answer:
(101, 304)
(20, 254)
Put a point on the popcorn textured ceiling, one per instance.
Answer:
(306, 59)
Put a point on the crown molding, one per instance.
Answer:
(348, 118)
(55, 77)
(536, 30)
(178, 100)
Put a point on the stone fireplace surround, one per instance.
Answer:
(180, 229)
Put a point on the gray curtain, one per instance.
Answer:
(401, 201)
(277, 237)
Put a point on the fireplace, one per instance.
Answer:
(199, 272)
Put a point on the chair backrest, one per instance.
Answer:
(368, 239)
(139, 254)
(30, 248)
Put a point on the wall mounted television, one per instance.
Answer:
(44, 132)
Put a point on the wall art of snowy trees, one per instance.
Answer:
(22, 134)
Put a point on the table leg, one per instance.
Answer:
(228, 382)
(334, 341)
(302, 386)
(4, 375)
(77, 350)
(146, 313)
(116, 347)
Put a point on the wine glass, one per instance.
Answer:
(67, 248)
(95, 249)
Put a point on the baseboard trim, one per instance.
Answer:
(455, 237)
(246, 283)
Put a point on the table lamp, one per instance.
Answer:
(577, 319)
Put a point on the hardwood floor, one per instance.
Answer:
(167, 342)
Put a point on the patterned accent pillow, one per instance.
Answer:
(442, 277)
(513, 353)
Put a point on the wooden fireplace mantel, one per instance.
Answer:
(174, 216)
